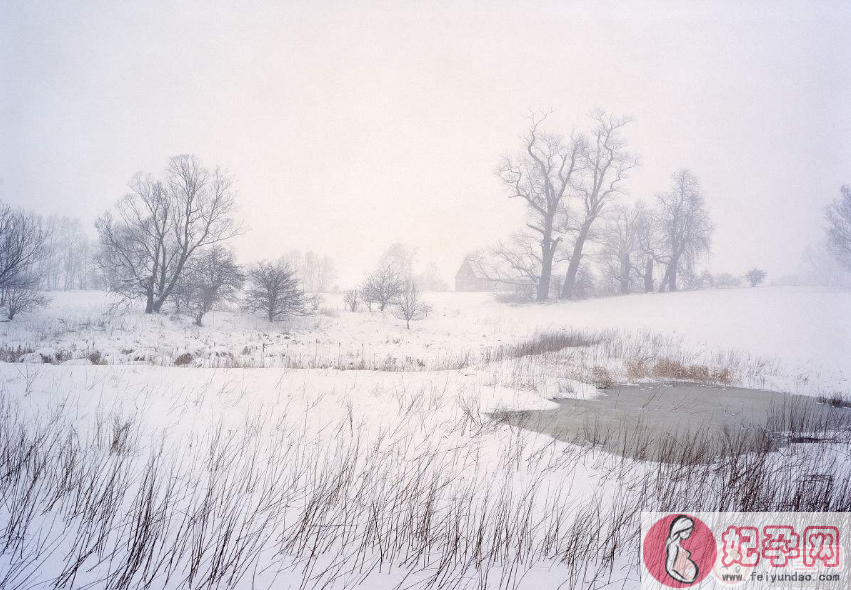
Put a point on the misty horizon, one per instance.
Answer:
(348, 130)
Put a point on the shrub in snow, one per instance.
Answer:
(32, 358)
(602, 377)
(10, 354)
(352, 299)
(706, 280)
(673, 369)
(47, 353)
(725, 280)
(22, 296)
(328, 312)
(755, 277)
(183, 359)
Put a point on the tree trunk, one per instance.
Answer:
(167, 285)
(669, 282)
(625, 274)
(575, 258)
(543, 287)
(648, 276)
(149, 302)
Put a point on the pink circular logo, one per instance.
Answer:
(679, 551)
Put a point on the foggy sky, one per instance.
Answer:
(349, 126)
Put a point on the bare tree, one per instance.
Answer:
(351, 299)
(295, 259)
(430, 279)
(211, 277)
(159, 226)
(23, 242)
(50, 265)
(620, 252)
(368, 292)
(382, 287)
(651, 245)
(838, 216)
(755, 277)
(586, 283)
(684, 225)
(516, 263)
(88, 277)
(410, 305)
(274, 291)
(604, 164)
(317, 274)
(401, 258)
(819, 266)
(325, 275)
(541, 177)
(23, 249)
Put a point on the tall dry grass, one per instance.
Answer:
(459, 502)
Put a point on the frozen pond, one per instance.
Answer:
(684, 421)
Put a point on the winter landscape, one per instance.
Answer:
(313, 298)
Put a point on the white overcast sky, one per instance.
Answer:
(353, 125)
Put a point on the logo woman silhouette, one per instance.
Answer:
(678, 563)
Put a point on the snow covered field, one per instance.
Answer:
(800, 332)
(342, 450)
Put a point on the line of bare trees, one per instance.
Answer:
(214, 280)
(674, 235)
(317, 274)
(165, 241)
(41, 254)
(394, 286)
(570, 186)
(68, 263)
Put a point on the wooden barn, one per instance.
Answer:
(466, 279)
